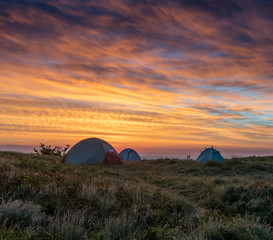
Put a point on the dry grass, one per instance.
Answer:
(40, 198)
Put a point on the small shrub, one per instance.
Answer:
(48, 150)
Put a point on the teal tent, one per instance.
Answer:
(129, 154)
(210, 154)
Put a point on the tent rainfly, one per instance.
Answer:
(129, 154)
(210, 154)
(92, 151)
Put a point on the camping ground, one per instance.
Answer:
(157, 199)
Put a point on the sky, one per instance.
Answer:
(166, 78)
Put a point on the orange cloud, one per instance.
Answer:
(164, 75)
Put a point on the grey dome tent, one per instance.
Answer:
(129, 154)
(92, 151)
(210, 154)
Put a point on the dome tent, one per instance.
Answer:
(92, 151)
(129, 154)
(210, 154)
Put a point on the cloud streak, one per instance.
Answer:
(179, 73)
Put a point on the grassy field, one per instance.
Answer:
(40, 198)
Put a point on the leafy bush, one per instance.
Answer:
(48, 150)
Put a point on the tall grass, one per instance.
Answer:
(21, 214)
(70, 225)
(40, 198)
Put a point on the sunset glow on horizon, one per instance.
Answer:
(163, 77)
